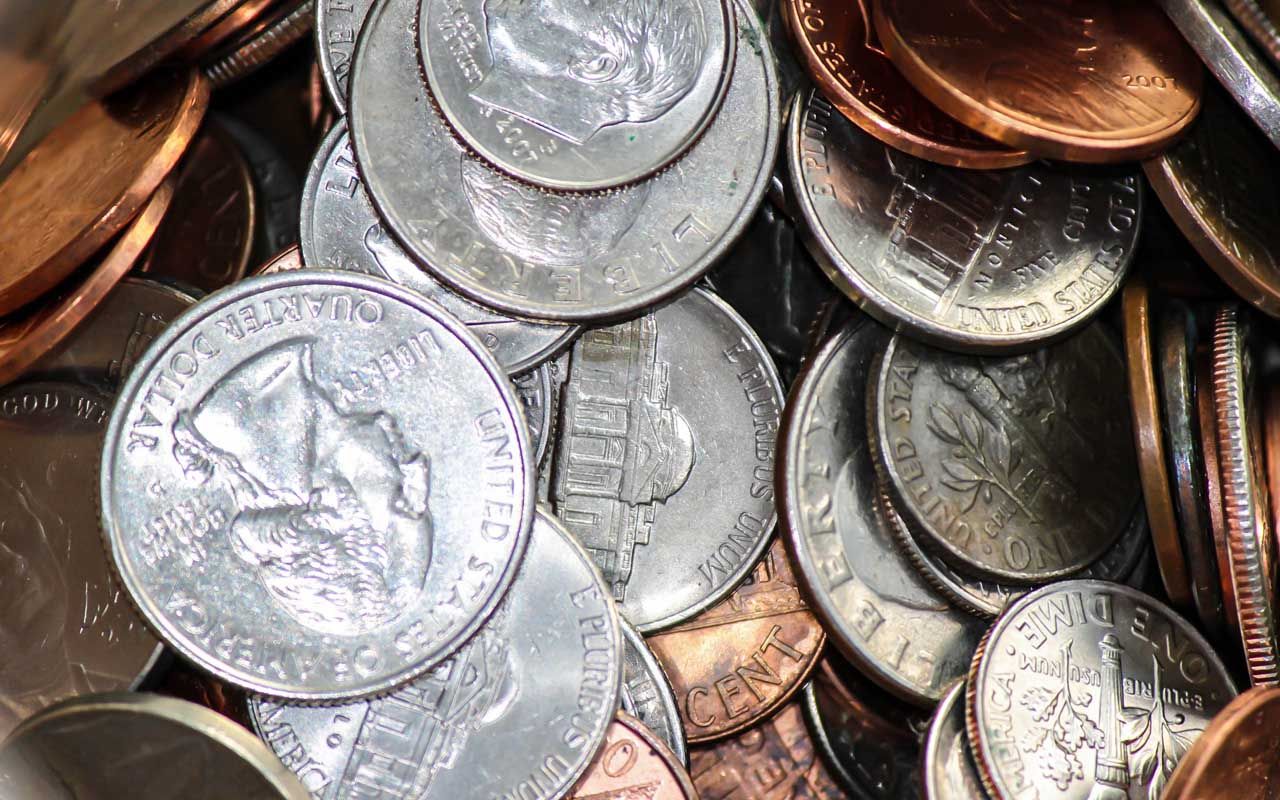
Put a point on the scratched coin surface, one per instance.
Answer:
(867, 763)
(975, 260)
(1086, 689)
(647, 693)
(1235, 756)
(878, 610)
(519, 711)
(949, 771)
(740, 660)
(338, 25)
(316, 485)
(1019, 469)
(572, 95)
(553, 255)
(341, 230)
(634, 763)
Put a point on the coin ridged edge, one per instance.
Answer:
(1258, 25)
(972, 729)
(255, 53)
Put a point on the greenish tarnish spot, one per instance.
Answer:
(733, 185)
(631, 138)
(752, 37)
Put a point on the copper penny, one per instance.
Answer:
(88, 179)
(850, 695)
(840, 50)
(159, 49)
(1153, 470)
(286, 260)
(1091, 80)
(773, 761)
(633, 763)
(1234, 758)
(25, 337)
(235, 22)
(1213, 482)
(1271, 446)
(185, 682)
(737, 662)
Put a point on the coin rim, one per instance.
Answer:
(951, 703)
(1213, 483)
(1190, 770)
(633, 639)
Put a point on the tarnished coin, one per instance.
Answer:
(338, 25)
(316, 485)
(949, 771)
(1235, 756)
(1088, 81)
(663, 463)
(90, 178)
(279, 188)
(634, 762)
(647, 693)
(139, 745)
(737, 662)
(1087, 689)
(1207, 415)
(878, 610)
(772, 761)
(1019, 469)
(340, 230)
(974, 260)
(545, 255)
(572, 95)
(519, 711)
(869, 765)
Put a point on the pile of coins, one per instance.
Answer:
(404, 413)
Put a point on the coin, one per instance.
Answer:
(258, 45)
(1095, 81)
(185, 682)
(1246, 506)
(1235, 756)
(337, 26)
(89, 178)
(578, 96)
(975, 260)
(1089, 689)
(647, 695)
(1256, 22)
(279, 189)
(544, 255)
(534, 390)
(866, 764)
(740, 660)
(316, 485)
(1020, 469)
(1207, 417)
(1217, 185)
(949, 771)
(287, 260)
(153, 50)
(245, 14)
(341, 230)
(139, 745)
(519, 711)
(843, 55)
(1153, 470)
(877, 609)
(634, 762)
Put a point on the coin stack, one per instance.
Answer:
(432, 376)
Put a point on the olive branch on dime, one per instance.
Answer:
(973, 470)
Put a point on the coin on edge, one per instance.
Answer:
(866, 764)
(634, 762)
(647, 694)
(1259, 22)
(326, 470)
(1088, 689)
(338, 26)
(949, 771)
(287, 260)
(1235, 756)
(1207, 416)
(519, 711)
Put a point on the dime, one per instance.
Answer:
(1089, 689)
(341, 230)
(634, 762)
(737, 662)
(949, 771)
(90, 178)
(866, 763)
(338, 23)
(647, 695)
(519, 711)
(1206, 415)
(578, 96)
(1258, 23)
(544, 255)
(975, 260)
(1019, 469)
(1246, 506)
(1092, 81)
(1235, 756)
(843, 55)
(259, 45)
(877, 609)
(139, 745)
(663, 463)
(326, 470)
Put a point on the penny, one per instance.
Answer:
(185, 682)
(230, 25)
(842, 53)
(279, 189)
(646, 693)
(1206, 415)
(519, 711)
(1246, 505)
(1235, 756)
(974, 260)
(1089, 689)
(341, 230)
(1020, 469)
(740, 660)
(867, 765)
(1258, 24)
(578, 97)
(260, 44)
(634, 762)
(139, 745)
(1217, 185)
(321, 466)
(1153, 470)
(287, 260)
(1271, 445)
(877, 609)
(89, 178)
(1076, 83)
(949, 771)
(157, 45)
(545, 255)
(207, 238)
(850, 696)
(338, 24)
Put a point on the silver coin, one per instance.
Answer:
(663, 464)
(949, 771)
(868, 765)
(1087, 689)
(974, 260)
(877, 609)
(341, 230)
(535, 389)
(578, 96)
(647, 694)
(316, 485)
(338, 24)
(518, 712)
(544, 255)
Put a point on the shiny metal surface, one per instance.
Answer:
(647, 695)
